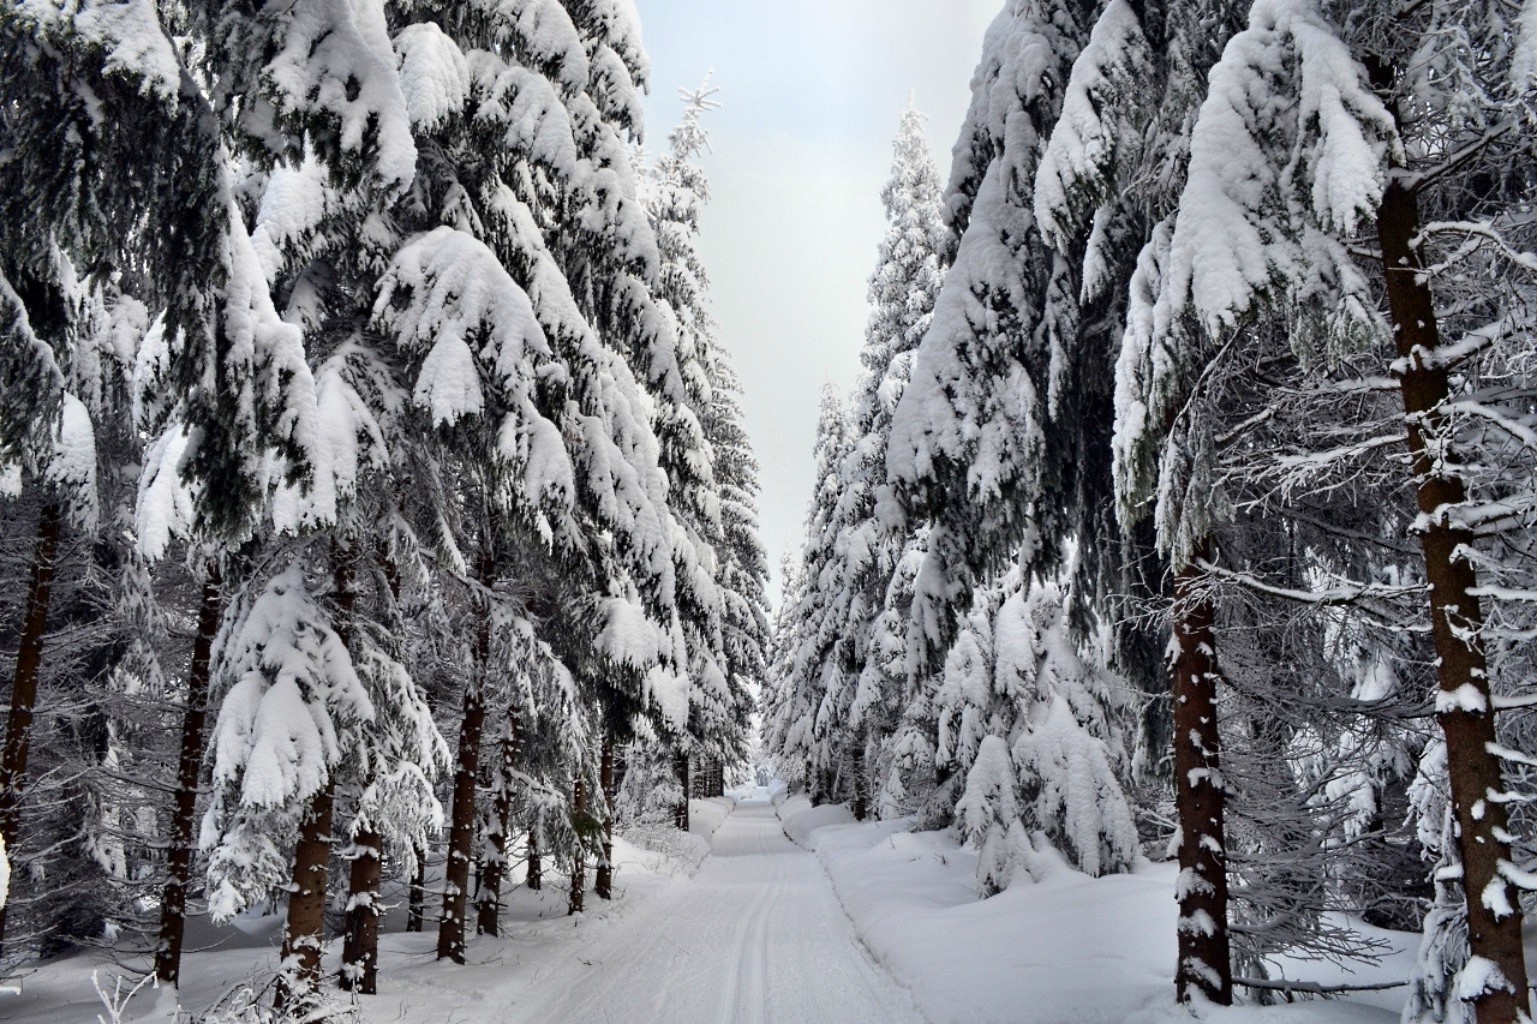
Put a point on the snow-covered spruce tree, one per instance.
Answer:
(801, 730)
(785, 702)
(860, 710)
(967, 436)
(1031, 727)
(290, 702)
(905, 773)
(551, 424)
(1235, 250)
(242, 394)
(675, 193)
(1110, 170)
(80, 826)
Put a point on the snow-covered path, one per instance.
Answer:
(757, 937)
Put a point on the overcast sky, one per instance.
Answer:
(812, 92)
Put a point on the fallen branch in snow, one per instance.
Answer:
(1313, 987)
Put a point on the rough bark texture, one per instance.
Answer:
(534, 879)
(1464, 712)
(173, 899)
(495, 870)
(416, 901)
(461, 834)
(1205, 964)
(304, 936)
(603, 883)
(360, 945)
(579, 858)
(680, 814)
(360, 942)
(29, 662)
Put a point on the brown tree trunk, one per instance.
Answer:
(360, 942)
(495, 871)
(680, 815)
(29, 663)
(416, 901)
(360, 945)
(461, 834)
(1205, 964)
(579, 859)
(173, 899)
(603, 883)
(1463, 706)
(304, 937)
(535, 877)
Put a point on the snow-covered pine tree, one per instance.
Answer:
(1032, 728)
(1234, 251)
(675, 192)
(967, 435)
(906, 281)
(803, 727)
(161, 200)
(291, 700)
(551, 422)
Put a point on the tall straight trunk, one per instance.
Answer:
(416, 900)
(29, 663)
(603, 883)
(461, 833)
(360, 941)
(1456, 619)
(304, 936)
(680, 814)
(535, 876)
(579, 859)
(173, 899)
(861, 808)
(495, 870)
(1205, 963)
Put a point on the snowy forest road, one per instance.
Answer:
(758, 937)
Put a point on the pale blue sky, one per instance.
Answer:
(811, 93)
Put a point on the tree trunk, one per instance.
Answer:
(603, 884)
(861, 806)
(304, 937)
(680, 815)
(417, 900)
(360, 946)
(1463, 705)
(1205, 964)
(360, 942)
(535, 877)
(579, 859)
(461, 834)
(29, 662)
(173, 899)
(495, 870)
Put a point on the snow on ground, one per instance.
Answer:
(735, 923)
(1067, 949)
(542, 950)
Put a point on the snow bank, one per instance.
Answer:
(801, 819)
(706, 816)
(1064, 949)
